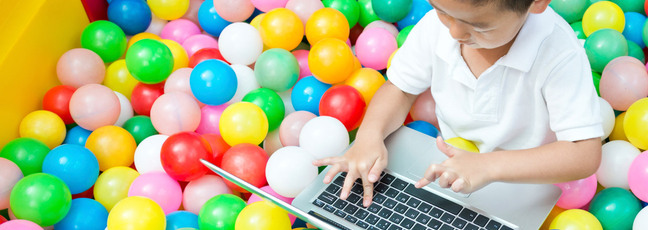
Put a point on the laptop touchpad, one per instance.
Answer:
(418, 174)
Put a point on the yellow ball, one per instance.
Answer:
(618, 132)
(180, 57)
(575, 219)
(390, 58)
(136, 213)
(635, 123)
(169, 9)
(112, 185)
(44, 126)
(366, 81)
(601, 15)
(281, 28)
(331, 61)
(262, 215)
(119, 79)
(256, 22)
(142, 35)
(327, 23)
(243, 122)
(113, 146)
(464, 144)
(552, 215)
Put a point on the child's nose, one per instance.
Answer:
(459, 31)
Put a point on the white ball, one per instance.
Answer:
(147, 154)
(126, 111)
(289, 170)
(641, 220)
(246, 82)
(272, 142)
(156, 26)
(286, 97)
(240, 43)
(615, 162)
(324, 137)
(608, 117)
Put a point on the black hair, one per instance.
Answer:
(518, 6)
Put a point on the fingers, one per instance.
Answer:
(348, 184)
(431, 174)
(334, 170)
(367, 187)
(444, 147)
(460, 185)
(328, 161)
(447, 179)
(376, 170)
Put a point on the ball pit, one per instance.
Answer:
(278, 83)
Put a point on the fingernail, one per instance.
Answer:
(344, 195)
(373, 178)
(417, 185)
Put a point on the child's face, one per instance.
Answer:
(479, 27)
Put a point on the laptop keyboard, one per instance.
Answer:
(397, 204)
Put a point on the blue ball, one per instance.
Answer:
(209, 20)
(307, 93)
(419, 9)
(633, 31)
(132, 16)
(424, 127)
(75, 165)
(84, 214)
(213, 82)
(77, 136)
(181, 219)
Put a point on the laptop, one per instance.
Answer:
(397, 204)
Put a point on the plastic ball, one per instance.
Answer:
(159, 187)
(220, 212)
(178, 53)
(199, 191)
(203, 55)
(178, 81)
(604, 45)
(248, 162)
(144, 95)
(374, 46)
(167, 120)
(324, 137)
(199, 41)
(637, 176)
(246, 82)
(276, 69)
(169, 9)
(607, 114)
(132, 16)
(105, 39)
(350, 9)
(210, 21)
(57, 100)
(281, 28)
(624, 81)
(263, 215)
(20, 224)
(79, 66)
(112, 185)
(636, 52)
(271, 104)
(419, 9)
(157, 24)
(147, 154)
(84, 214)
(577, 193)
(344, 103)
(141, 36)
(304, 8)
(302, 60)
(578, 29)
(367, 13)
(327, 23)
(140, 127)
(209, 117)
(234, 11)
(243, 122)
(93, 106)
(272, 143)
(41, 198)
(11, 175)
(424, 127)
(630, 5)
(149, 61)
(182, 220)
(113, 146)
(254, 198)
(126, 110)
(213, 82)
(635, 122)
(463, 144)
(290, 170)
(292, 125)
(268, 5)
(366, 81)
(641, 221)
(75, 165)
(617, 132)
(27, 153)
(179, 30)
(570, 10)
(615, 208)
(391, 11)
(575, 219)
(402, 35)
(633, 30)
(181, 154)
(331, 61)
(218, 145)
(44, 126)
(240, 43)
(615, 163)
(137, 212)
(602, 15)
(119, 79)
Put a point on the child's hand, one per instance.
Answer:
(365, 160)
(463, 171)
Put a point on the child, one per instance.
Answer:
(508, 75)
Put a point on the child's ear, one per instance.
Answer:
(539, 6)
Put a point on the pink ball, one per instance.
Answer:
(638, 175)
(302, 60)
(623, 81)
(175, 112)
(209, 117)
(197, 42)
(385, 25)
(93, 106)
(20, 225)
(255, 198)
(179, 30)
(374, 47)
(424, 109)
(11, 174)
(304, 8)
(577, 193)
(178, 81)
(292, 125)
(160, 187)
(79, 66)
(234, 10)
(199, 191)
(192, 12)
(268, 5)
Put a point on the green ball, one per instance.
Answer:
(596, 77)
(41, 198)
(604, 45)
(276, 69)
(631, 5)
(391, 10)
(350, 9)
(149, 61)
(140, 127)
(220, 212)
(635, 51)
(571, 10)
(104, 38)
(26, 152)
(367, 14)
(402, 35)
(578, 29)
(271, 104)
(615, 208)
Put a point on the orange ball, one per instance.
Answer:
(331, 61)
(281, 28)
(327, 23)
(366, 81)
(113, 146)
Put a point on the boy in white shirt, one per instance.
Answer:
(508, 75)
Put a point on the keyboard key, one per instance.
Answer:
(327, 220)
(379, 198)
(481, 221)
(493, 225)
(381, 188)
(329, 208)
(339, 181)
(391, 192)
(402, 197)
(504, 227)
(447, 218)
(412, 213)
(319, 203)
(414, 203)
(424, 207)
(350, 209)
(433, 199)
(396, 218)
(327, 197)
(333, 189)
(340, 213)
(361, 214)
(468, 214)
(434, 224)
(372, 219)
(407, 223)
(362, 224)
(373, 208)
(399, 184)
(423, 219)
(374, 228)
(353, 198)
(459, 223)
(446, 227)
(351, 218)
(340, 204)
(385, 213)
(383, 224)
(357, 188)
(470, 226)
(387, 179)
(419, 227)
(389, 203)
(394, 227)
(400, 208)
(436, 213)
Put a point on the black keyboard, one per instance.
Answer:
(397, 204)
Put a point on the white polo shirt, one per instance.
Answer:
(539, 92)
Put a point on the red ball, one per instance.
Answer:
(57, 100)
(181, 154)
(85, 194)
(248, 162)
(144, 95)
(218, 146)
(344, 103)
(205, 54)
(2, 219)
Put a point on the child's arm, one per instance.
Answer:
(555, 162)
(367, 158)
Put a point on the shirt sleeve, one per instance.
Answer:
(572, 102)
(411, 66)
